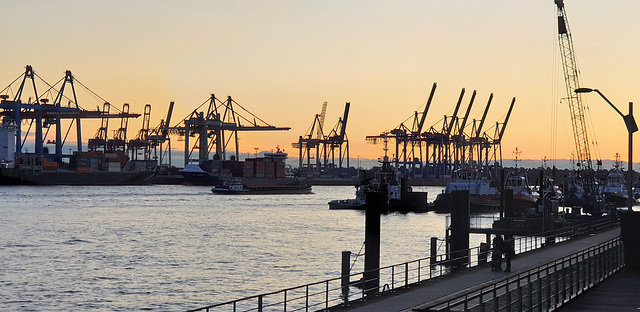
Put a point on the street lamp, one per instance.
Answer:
(630, 122)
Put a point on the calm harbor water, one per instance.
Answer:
(172, 248)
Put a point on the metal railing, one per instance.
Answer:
(543, 288)
(334, 292)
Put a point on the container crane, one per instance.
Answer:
(337, 137)
(46, 114)
(407, 157)
(312, 141)
(216, 128)
(140, 141)
(160, 135)
(120, 135)
(100, 139)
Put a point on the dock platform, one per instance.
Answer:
(418, 296)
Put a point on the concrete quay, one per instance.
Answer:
(405, 300)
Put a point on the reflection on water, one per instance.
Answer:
(180, 247)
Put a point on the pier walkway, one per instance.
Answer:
(419, 296)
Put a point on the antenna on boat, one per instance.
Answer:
(517, 153)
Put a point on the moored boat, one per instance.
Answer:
(270, 169)
(524, 197)
(239, 188)
(615, 189)
(395, 190)
(482, 195)
(84, 168)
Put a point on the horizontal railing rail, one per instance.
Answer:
(332, 292)
(543, 288)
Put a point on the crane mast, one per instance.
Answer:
(572, 82)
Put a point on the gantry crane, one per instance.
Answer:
(217, 129)
(44, 115)
(407, 140)
(326, 147)
(310, 142)
(447, 147)
(148, 140)
(119, 141)
(100, 139)
(140, 143)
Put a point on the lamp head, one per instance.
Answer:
(583, 90)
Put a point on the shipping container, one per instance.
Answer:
(248, 172)
(83, 169)
(113, 166)
(280, 171)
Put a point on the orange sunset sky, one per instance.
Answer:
(282, 59)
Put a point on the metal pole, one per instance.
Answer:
(346, 259)
(630, 170)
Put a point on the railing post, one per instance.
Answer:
(578, 280)
(496, 303)
(519, 295)
(260, 303)
(406, 274)
(507, 295)
(326, 296)
(590, 266)
(530, 288)
(434, 250)
(306, 299)
(548, 289)
(393, 277)
(570, 277)
(346, 271)
(539, 283)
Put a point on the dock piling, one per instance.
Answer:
(371, 276)
(460, 224)
(346, 271)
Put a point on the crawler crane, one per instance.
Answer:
(582, 191)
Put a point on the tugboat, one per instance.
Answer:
(615, 188)
(400, 196)
(351, 203)
(524, 198)
(482, 195)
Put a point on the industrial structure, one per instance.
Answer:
(216, 132)
(105, 162)
(325, 155)
(42, 116)
(433, 154)
(582, 190)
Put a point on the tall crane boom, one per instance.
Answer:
(572, 82)
(319, 132)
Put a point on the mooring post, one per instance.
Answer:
(508, 203)
(501, 190)
(460, 224)
(346, 272)
(371, 276)
(630, 233)
(434, 250)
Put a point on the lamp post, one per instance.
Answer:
(630, 122)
